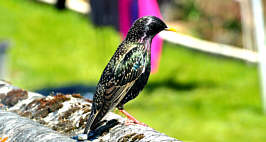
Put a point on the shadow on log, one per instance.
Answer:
(65, 114)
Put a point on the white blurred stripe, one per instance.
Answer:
(210, 47)
(260, 39)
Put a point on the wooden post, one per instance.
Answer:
(260, 41)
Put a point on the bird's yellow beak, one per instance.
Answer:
(170, 29)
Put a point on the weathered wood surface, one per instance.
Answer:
(20, 129)
(66, 114)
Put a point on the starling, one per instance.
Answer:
(127, 72)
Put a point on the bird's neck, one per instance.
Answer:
(138, 35)
(139, 39)
(146, 42)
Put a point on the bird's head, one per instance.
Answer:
(146, 28)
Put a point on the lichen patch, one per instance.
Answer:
(13, 96)
(137, 137)
(131, 137)
(44, 106)
(77, 96)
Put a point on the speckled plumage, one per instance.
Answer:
(127, 72)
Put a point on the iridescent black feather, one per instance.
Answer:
(127, 72)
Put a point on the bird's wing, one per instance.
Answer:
(130, 66)
(125, 73)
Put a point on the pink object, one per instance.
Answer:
(151, 8)
(124, 16)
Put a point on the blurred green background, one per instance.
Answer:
(193, 97)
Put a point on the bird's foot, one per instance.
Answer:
(131, 120)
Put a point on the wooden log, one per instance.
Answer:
(67, 114)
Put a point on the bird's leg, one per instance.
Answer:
(131, 118)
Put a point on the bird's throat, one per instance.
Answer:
(147, 44)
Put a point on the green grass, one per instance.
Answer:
(52, 47)
(193, 97)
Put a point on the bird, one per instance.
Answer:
(127, 72)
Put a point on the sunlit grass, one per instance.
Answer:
(52, 47)
(193, 97)
(202, 98)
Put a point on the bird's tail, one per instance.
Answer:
(95, 117)
(90, 121)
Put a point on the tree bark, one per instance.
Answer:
(65, 114)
